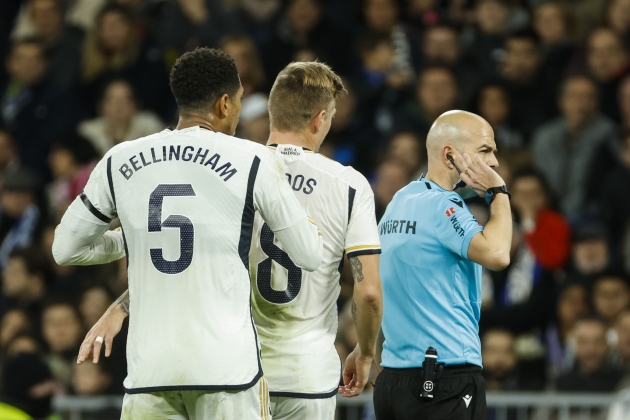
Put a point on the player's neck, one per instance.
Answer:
(296, 139)
(195, 120)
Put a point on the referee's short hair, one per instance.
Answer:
(201, 77)
(301, 91)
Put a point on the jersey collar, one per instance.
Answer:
(430, 184)
(303, 148)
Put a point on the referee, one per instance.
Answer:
(432, 253)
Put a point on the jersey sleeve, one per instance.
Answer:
(362, 235)
(97, 194)
(281, 210)
(83, 236)
(455, 225)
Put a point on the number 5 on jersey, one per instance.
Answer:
(186, 228)
(263, 276)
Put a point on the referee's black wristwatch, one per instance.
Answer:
(492, 193)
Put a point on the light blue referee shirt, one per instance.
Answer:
(431, 290)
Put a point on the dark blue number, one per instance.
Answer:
(263, 278)
(186, 229)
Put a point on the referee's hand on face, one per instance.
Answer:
(477, 174)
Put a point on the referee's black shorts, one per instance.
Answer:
(460, 394)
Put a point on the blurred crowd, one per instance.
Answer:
(551, 77)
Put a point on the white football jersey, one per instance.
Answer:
(296, 311)
(186, 200)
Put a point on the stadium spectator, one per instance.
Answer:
(585, 14)
(188, 24)
(8, 154)
(441, 47)
(303, 30)
(591, 372)
(71, 161)
(522, 296)
(493, 103)
(489, 34)
(384, 17)
(114, 50)
(254, 121)
(618, 18)
(521, 67)
(555, 30)
(27, 388)
(590, 253)
(92, 379)
(608, 63)
(20, 219)
(62, 332)
(248, 63)
(14, 322)
(62, 41)
(380, 85)
(93, 304)
(425, 14)
(436, 93)
(573, 304)
(120, 118)
(551, 24)
(611, 296)
(22, 343)
(391, 176)
(378, 70)
(410, 151)
(501, 365)
(78, 13)
(565, 147)
(34, 110)
(547, 232)
(24, 283)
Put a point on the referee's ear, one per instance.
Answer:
(448, 156)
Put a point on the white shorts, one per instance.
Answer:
(249, 404)
(285, 408)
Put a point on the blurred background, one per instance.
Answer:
(551, 77)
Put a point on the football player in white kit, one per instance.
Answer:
(186, 200)
(295, 311)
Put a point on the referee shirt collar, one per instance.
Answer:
(430, 184)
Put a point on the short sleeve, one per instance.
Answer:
(273, 197)
(98, 192)
(362, 235)
(455, 225)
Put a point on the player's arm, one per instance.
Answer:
(83, 237)
(282, 212)
(490, 247)
(107, 327)
(367, 311)
(363, 249)
(367, 306)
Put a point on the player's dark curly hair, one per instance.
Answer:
(200, 77)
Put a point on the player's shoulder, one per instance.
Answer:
(245, 146)
(134, 143)
(345, 174)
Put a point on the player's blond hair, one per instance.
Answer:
(300, 92)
